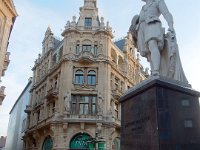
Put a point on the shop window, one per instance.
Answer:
(81, 141)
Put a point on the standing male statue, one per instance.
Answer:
(160, 49)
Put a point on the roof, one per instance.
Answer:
(120, 44)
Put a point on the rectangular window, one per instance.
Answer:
(83, 104)
(87, 48)
(77, 48)
(88, 22)
(94, 105)
(95, 50)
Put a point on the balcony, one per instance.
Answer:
(28, 109)
(52, 93)
(85, 56)
(2, 95)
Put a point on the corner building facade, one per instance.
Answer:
(76, 86)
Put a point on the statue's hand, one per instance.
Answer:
(171, 29)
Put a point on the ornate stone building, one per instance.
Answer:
(7, 19)
(77, 83)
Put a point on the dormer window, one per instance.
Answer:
(88, 22)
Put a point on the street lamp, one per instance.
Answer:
(96, 143)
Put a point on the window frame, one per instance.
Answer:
(88, 22)
(86, 48)
(91, 77)
(79, 77)
(79, 101)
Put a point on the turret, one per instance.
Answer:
(48, 42)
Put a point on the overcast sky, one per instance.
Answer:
(35, 16)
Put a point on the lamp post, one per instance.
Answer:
(96, 143)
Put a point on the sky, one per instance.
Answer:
(34, 16)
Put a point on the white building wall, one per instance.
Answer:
(17, 115)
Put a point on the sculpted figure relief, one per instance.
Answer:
(160, 49)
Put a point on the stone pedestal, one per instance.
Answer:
(160, 114)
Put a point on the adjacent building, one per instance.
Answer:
(77, 83)
(7, 19)
(17, 121)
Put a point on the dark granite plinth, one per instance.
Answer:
(160, 115)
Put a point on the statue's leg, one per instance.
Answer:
(155, 57)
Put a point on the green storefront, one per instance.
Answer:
(84, 141)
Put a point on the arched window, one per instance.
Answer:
(48, 144)
(79, 77)
(91, 77)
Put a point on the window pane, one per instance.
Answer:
(86, 47)
(94, 99)
(77, 48)
(91, 77)
(93, 80)
(95, 50)
(79, 79)
(86, 99)
(94, 109)
(81, 109)
(74, 108)
(86, 109)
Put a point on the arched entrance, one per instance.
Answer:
(81, 141)
(47, 144)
